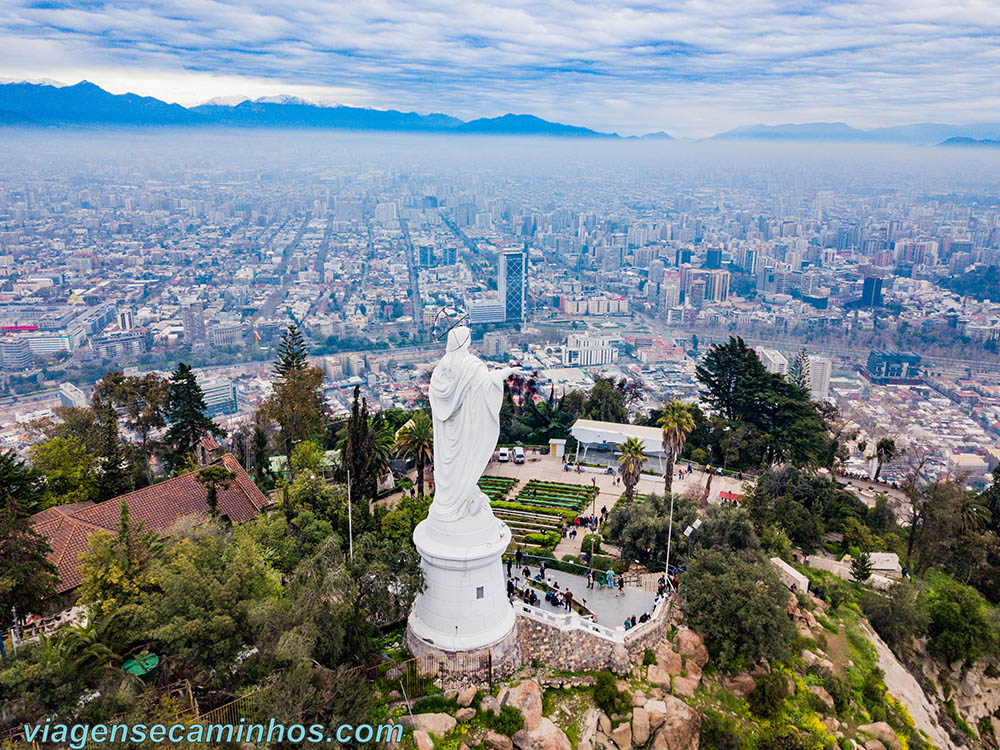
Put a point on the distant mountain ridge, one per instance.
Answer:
(33, 104)
(43, 104)
(962, 141)
(838, 131)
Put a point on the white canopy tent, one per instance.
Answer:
(609, 435)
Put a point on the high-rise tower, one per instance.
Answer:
(512, 285)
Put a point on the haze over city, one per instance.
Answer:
(500, 376)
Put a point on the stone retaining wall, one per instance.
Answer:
(568, 650)
(533, 639)
(575, 650)
(459, 668)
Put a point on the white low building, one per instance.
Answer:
(789, 576)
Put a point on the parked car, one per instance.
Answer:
(518, 454)
(503, 455)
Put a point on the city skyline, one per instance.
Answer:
(634, 69)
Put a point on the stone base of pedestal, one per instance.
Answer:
(475, 666)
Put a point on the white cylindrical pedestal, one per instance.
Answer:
(464, 603)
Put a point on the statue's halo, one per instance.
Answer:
(458, 337)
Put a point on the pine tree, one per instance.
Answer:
(114, 475)
(861, 567)
(798, 373)
(292, 352)
(187, 418)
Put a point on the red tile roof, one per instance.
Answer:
(68, 527)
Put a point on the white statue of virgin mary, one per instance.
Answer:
(465, 400)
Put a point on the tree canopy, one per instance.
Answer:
(782, 423)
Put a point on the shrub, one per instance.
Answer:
(873, 694)
(959, 623)
(840, 690)
(608, 697)
(787, 739)
(648, 657)
(768, 695)
(547, 539)
(749, 622)
(591, 538)
(719, 732)
(838, 593)
(508, 722)
(897, 617)
(434, 704)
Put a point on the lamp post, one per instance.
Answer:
(688, 532)
(670, 534)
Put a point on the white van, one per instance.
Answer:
(503, 455)
(518, 454)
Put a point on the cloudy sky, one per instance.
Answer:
(691, 68)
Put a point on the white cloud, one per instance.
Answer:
(690, 67)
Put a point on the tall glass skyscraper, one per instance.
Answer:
(512, 285)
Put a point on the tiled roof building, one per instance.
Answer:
(68, 527)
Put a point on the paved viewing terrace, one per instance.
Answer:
(608, 606)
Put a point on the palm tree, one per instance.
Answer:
(383, 443)
(415, 440)
(973, 512)
(631, 459)
(677, 422)
(885, 451)
(84, 649)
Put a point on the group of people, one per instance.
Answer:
(606, 578)
(590, 522)
(525, 593)
(631, 622)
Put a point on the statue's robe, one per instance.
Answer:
(465, 406)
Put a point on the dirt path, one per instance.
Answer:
(904, 687)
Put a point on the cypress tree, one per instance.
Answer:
(187, 418)
(358, 451)
(114, 476)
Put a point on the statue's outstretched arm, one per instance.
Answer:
(501, 374)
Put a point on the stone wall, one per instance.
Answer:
(576, 650)
(648, 634)
(568, 650)
(571, 649)
(458, 668)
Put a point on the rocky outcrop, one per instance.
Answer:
(423, 740)
(545, 736)
(739, 684)
(656, 711)
(465, 698)
(668, 659)
(680, 729)
(825, 698)
(496, 741)
(692, 646)
(622, 736)
(527, 697)
(640, 726)
(882, 732)
(437, 724)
